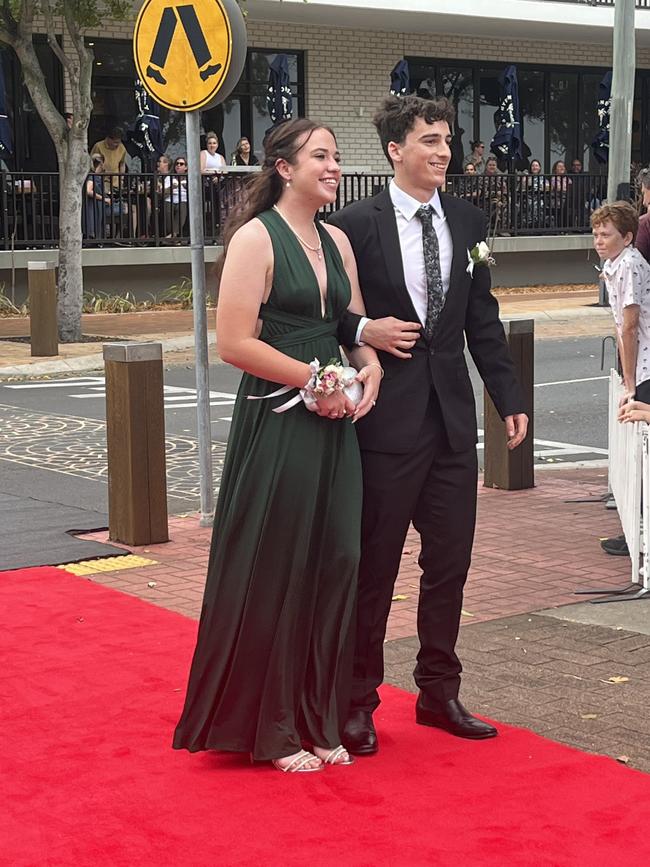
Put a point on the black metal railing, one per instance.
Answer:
(639, 4)
(151, 209)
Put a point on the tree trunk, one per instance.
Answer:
(73, 170)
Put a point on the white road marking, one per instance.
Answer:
(570, 381)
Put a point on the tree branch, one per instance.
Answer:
(59, 53)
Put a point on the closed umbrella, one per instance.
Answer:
(279, 99)
(507, 143)
(6, 137)
(600, 145)
(400, 79)
(144, 140)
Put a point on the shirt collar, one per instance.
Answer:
(611, 265)
(408, 206)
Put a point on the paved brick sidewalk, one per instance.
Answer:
(533, 549)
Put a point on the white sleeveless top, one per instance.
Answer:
(213, 161)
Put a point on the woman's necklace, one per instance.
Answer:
(318, 249)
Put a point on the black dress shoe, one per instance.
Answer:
(359, 735)
(455, 719)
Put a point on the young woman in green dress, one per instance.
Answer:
(272, 665)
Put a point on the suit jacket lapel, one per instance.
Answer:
(389, 239)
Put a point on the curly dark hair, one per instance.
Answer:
(396, 117)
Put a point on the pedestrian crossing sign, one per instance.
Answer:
(185, 51)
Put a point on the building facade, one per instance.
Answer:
(341, 53)
(340, 58)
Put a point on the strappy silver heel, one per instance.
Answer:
(298, 763)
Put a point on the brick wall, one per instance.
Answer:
(347, 71)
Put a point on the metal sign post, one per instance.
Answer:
(195, 211)
(190, 57)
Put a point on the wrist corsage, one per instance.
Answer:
(480, 254)
(325, 379)
(329, 378)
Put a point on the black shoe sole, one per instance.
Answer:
(362, 751)
(469, 737)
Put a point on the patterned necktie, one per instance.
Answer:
(431, 251)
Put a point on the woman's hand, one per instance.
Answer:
(370, 378)
(334, 406)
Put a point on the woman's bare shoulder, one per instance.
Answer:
(252, 232)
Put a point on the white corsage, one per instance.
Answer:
(325, 379)
(480, 254)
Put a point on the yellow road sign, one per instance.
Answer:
(183, 50)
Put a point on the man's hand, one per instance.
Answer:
(516, 427)
(392, 335)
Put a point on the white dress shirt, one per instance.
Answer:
(409, 229)
(627, 279)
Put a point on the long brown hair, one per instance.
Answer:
(265, 189)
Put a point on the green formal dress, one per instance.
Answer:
(273, 659)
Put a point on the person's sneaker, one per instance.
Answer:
(616, 546)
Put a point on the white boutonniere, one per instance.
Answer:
(480, 254)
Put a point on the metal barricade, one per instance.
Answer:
(627, 475)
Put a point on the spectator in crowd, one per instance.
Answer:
(493, 195)
(212, 163)
(535, 201)
(627, 279)
(560, 185)
(104, 210)
(96, 202)
(243, 155)
(114, 153)
(643, 235)
(163, 168)
(175, 197)
(576, 167)
(467, 188)
(476, 157)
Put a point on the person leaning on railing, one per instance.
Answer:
(536, 187)
(468, 185)
(493, 195)
(560, 185)
(627, 280)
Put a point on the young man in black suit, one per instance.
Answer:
(424, 299)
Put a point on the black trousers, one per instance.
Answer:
(643, 391)
(434, 488)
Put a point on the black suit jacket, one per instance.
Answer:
(471, 312)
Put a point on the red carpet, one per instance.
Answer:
(91, 687)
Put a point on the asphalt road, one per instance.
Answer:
(53, 442)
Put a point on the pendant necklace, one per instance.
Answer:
(317, 250)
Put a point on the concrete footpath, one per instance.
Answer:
(556, 315)
(535, 654)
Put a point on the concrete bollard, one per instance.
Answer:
(135, 434)
(512, 470)
(43, 324)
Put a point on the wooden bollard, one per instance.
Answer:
(135, 434)
(512, 470)
(43, 325)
